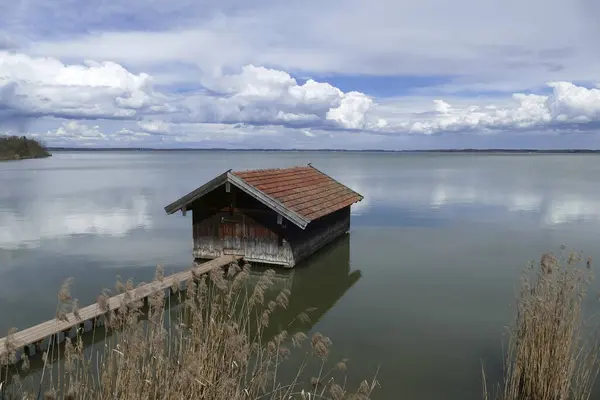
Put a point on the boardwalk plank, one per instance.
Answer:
(49, 328)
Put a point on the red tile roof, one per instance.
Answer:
(305, 190)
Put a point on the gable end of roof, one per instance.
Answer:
(196, 194)
(243, 186)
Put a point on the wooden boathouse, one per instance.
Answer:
(273, 216)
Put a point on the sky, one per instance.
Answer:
(379, 74)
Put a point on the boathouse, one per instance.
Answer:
(274, 216)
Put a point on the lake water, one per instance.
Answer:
(422, 287)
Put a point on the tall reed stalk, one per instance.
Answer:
(552, 354)
(213, 348)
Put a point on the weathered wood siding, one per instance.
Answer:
(320, 233)
(235, 223)
(239, 234)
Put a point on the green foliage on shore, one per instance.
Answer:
(21, 147)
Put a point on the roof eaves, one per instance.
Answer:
(268, 200)
(196, 194)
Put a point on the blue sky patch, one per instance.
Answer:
(381, 86)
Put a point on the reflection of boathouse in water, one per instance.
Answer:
(319, 284)
(273, 216)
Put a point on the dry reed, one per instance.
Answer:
(552, 354)
(214, 348)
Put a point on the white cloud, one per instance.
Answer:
(263, 95)
(76, 130)
(352, 111)
(259, 100)
(45, 86)
(74, 133)
(547, 40)
(571, 103)
(256, 95)
(234, 64)
(154, 127)
(568, 107)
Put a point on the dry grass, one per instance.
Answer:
(214, 348)
(551, 355)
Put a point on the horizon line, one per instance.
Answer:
(450, 150)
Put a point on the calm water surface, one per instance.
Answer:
(422, 287)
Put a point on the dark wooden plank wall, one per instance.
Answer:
(320, 233)
(235, 223)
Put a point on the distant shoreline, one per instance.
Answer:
(484, 151)
(15, 148)
(20, 158)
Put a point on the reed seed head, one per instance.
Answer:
(212, 347)
(159, 274)
(64, 294)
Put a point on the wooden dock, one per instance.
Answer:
(34, 339)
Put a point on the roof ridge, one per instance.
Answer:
(271, 169)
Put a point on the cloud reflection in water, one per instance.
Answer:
(59, 218)
(477, 196)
